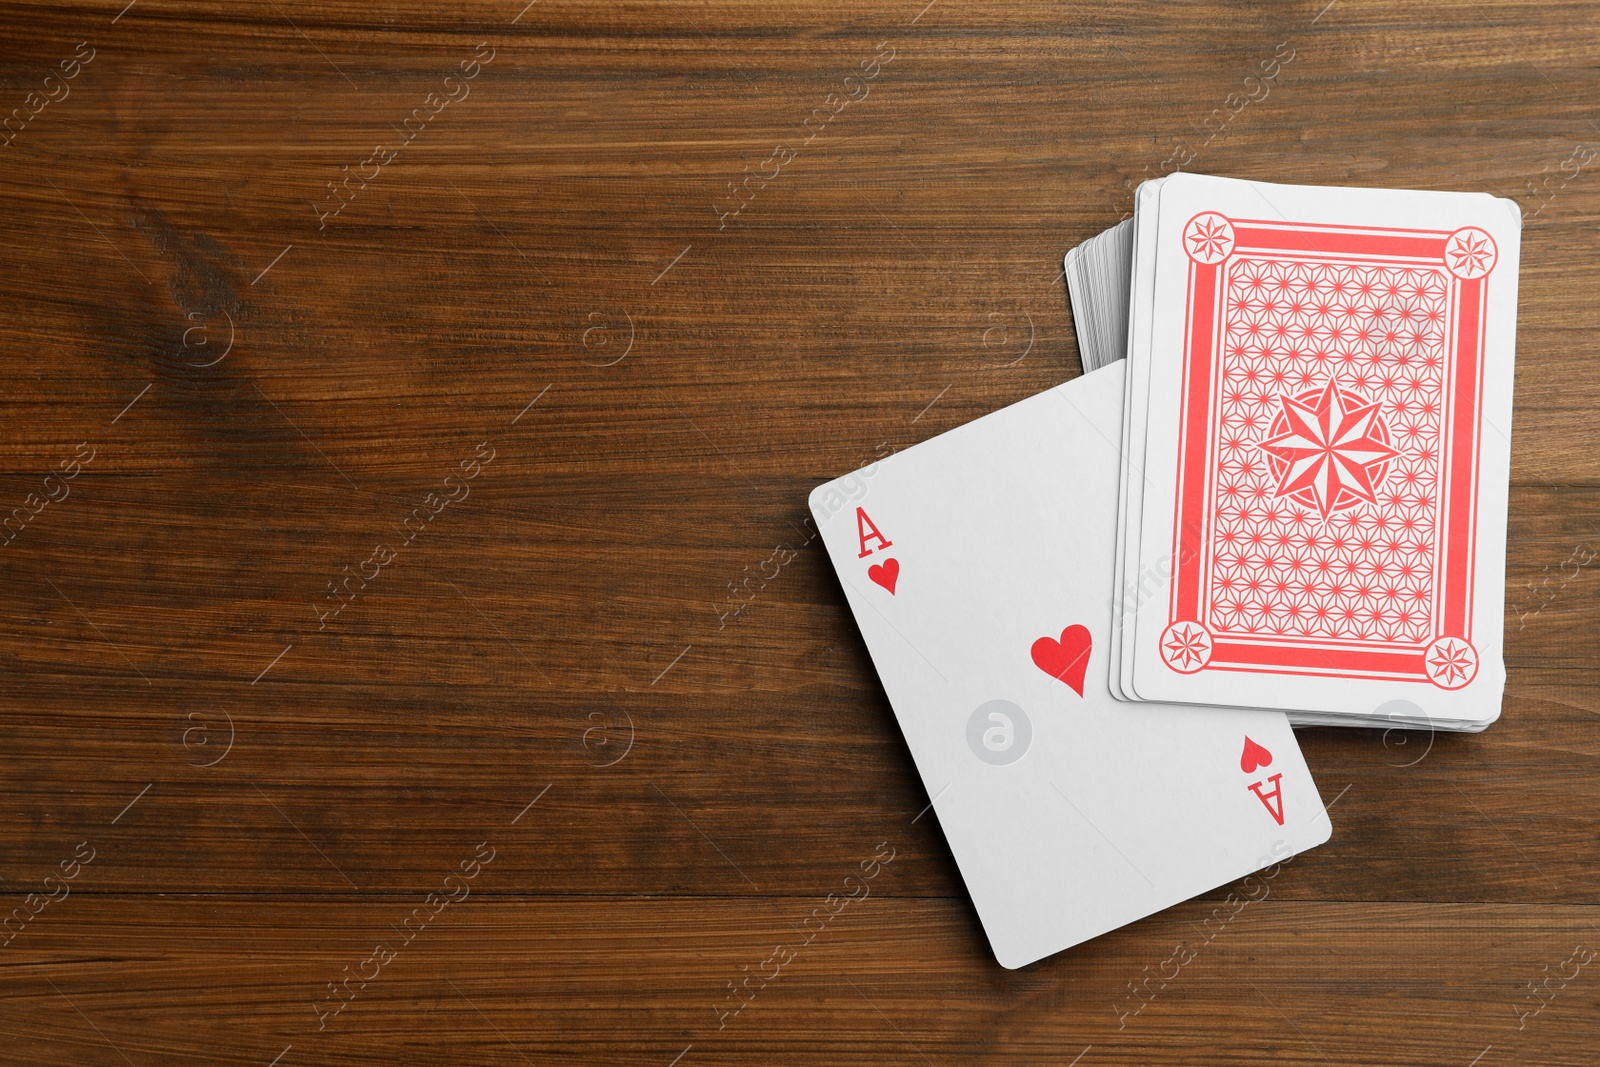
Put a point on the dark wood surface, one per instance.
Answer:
(543, 678)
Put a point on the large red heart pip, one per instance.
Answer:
(1067, 658)
(885, 573)
(1253, 757)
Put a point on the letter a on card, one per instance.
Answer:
(863, 525)
(1272, 801)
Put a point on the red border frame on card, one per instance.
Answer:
(1191, 642)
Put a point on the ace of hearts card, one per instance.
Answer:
(978, 566)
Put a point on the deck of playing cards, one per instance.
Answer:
(1316, 448)
(1276, 497)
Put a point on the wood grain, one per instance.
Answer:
(547, 272)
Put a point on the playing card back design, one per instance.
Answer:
(1328, 449)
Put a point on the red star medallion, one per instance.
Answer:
(1186, 647)
(1328, 449)
(1451, 662)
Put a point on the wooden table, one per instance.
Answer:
(397, 395)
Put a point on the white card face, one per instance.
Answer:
(1327, 450)
(978, 568)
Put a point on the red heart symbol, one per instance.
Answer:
(1067, 658)
(1253, 757)
(886, 573)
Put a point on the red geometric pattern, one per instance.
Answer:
(1327, 468)
(1329, 441)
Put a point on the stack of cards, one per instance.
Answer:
(979, 567)
(1315, 449)
(1097, 274)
